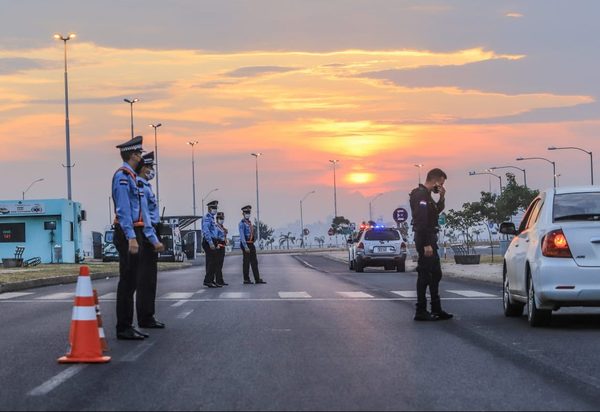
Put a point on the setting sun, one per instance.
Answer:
(360, 177)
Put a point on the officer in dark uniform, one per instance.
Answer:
(221, 242)
(209, 234)
(131, 224)
(425, 213)
(147, 275)
(247, 239)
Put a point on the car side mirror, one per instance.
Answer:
(508, 228)
(349, 240)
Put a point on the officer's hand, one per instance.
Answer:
(428, 251)
(159, 247)
(212, 247)
(442, 191)
(246, 250)
(133, 246)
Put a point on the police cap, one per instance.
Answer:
(213, 204)
(148, 159)
(220, 215)
(132, 145)
(247, 208)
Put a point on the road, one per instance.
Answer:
(316, 337)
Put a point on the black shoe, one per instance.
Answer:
(260, 281)
(223, 284)
(248, 282)
(441, 315)
(210, 285)
(424, 316)
(153, 324)
(218, 285)
(139, 332)
(129, 334)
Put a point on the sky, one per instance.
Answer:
(381, 86)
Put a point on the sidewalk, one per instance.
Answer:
(487, 272)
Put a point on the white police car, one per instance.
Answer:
(377, 246)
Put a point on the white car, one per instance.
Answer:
(554, 259)
(377, 246)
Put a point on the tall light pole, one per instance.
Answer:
(155, 127)
(487, 172)
(194, 143)
(29, 187)
(257, 155)
(371, 201)
(583, 150)
(334, 162)
(302, 218)
(547, 160)
(65, 39)
(205, 197)
(131, 102)
(513, 167)
(419, 166)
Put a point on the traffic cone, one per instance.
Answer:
(85, 346)
(103, 342)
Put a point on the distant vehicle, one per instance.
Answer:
(554, 259)
(109, 250)
(377, 246)
(171, 238)
(235, 242)
(192, 242)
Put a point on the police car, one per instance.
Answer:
(377, 246)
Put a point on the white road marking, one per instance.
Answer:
(471, 293)
(184, 315)
(10, 295)
(179, 303)
(137, 352)
(55, 381)
(405, 293)
(294, 295)
(57, 296)
(111, 295)
(178, 295)
(355, 294)
(233, 295)
(200, 291)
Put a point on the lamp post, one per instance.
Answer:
(131, 102)
(256, 156)
(419, 166)
(487, 172)
(194, 143)
(29, 187)
(513, 167)
(155, 127)
(542, 158)
(372, 200)
(205, 197)
(65, 39)
(334, 162)
(583, 150)
(302, 219)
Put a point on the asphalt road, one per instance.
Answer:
(316, 337)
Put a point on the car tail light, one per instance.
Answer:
(360, 245)
(555, 244)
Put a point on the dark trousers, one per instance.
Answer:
(250, 260)
(220, 257)
(429, 274)
(146, 282)
(128, 273)
(210, 261)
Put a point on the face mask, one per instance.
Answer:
(436, 189)
(220, 221)
(213, 211)
(246, 215)
(150, 175)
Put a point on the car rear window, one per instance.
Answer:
(387, 234)
(576, 206)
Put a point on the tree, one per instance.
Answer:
(341, 226)
(320, 240)
(286, 239)
(463, 221)
(265, 231)
(514, 198)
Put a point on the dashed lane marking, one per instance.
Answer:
(234, 295)
(57, 296)
(179, 303)
(294, 295)
(56, 380)
(10, 295)
(355, 295)
(111, 295)
(185, 314)
(137, 352)
(471, 293)
(178, 295)
(405, 293)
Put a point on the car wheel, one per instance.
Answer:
(358, 266)
(510, 309)
(389, 266)
(351, 264)
(401, 267)
(535, 316)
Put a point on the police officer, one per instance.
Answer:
(131, 224)
(221, 242)
(147, 275)
(425, 213)
(247, 239)
(209, 234)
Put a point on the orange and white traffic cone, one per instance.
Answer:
(103, 342)
(84, 338)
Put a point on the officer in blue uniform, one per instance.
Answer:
(147, 275)
(221, 242)
(247, 239)
(209, 234)
(425, 213)
(131, 224)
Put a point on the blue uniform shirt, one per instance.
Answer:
(151, 199)
(246, 233)
(220, 232)
(209, 228)
(149, 231)
(125, 194)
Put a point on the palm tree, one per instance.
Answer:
(320, 240)
(270, 241)
(285, 239)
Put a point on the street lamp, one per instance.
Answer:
(29, 187)
(372, 200)
(194, 143)
(257, 155)
(513, 167)
(302, 219)
(583, 150)
(155, 127)
(419, 166)
(542, 158)
(205, 197)
(67, 129)
(131, 102)
(334, 162)
(487, 172)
